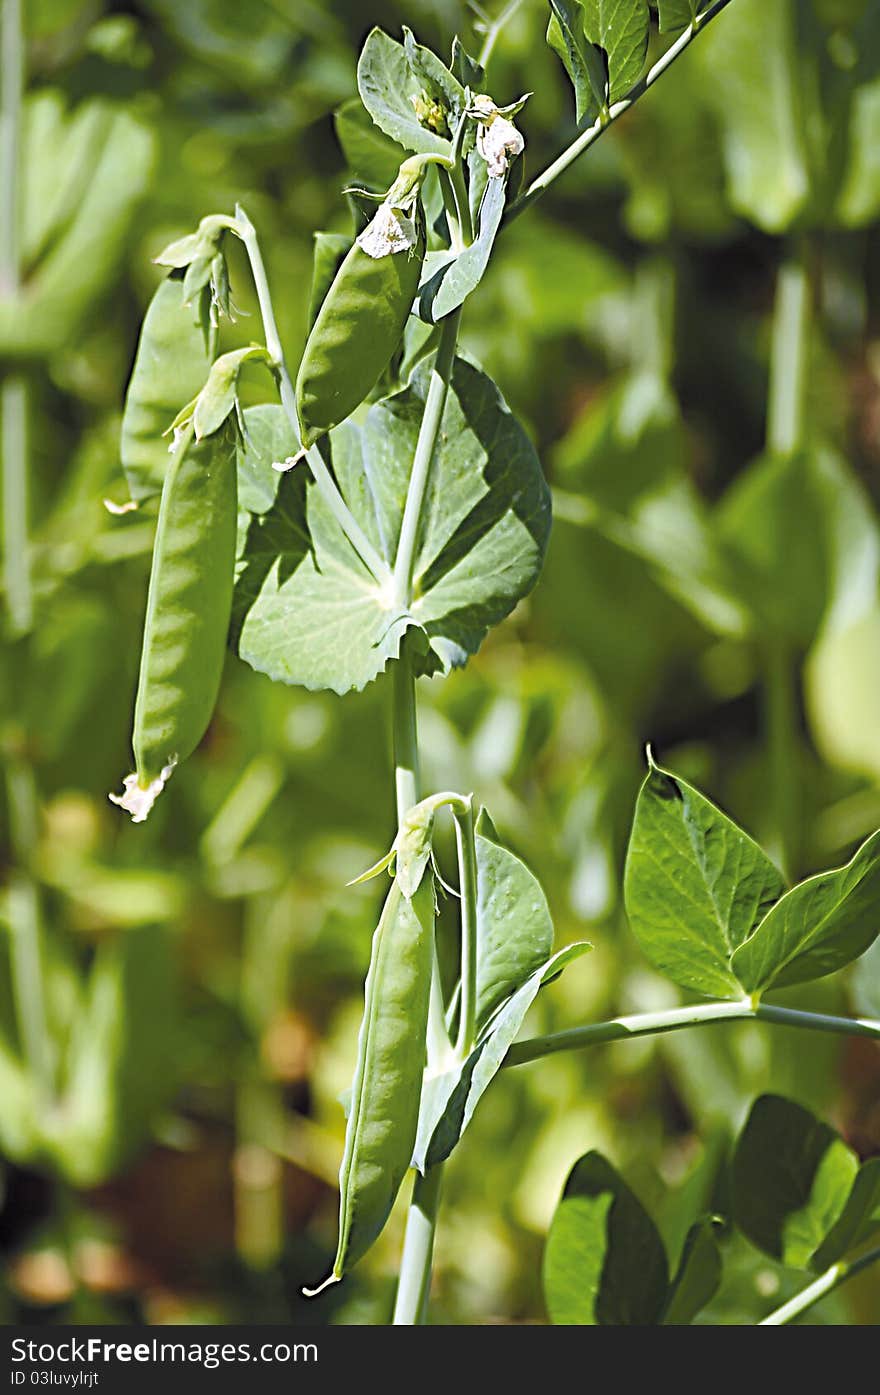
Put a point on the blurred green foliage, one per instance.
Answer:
(706, 589)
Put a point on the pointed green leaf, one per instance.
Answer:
(514, 927)
(582, 61)
(307, 611)
(449, 1099)
(859, 1220)
(698, 1277)
(620, 28)
(676, 14)
(409, 93)
(817, 927)
(448, 278)
(604, 1262)
(695, 885)
(792, 1178)
(371, 156)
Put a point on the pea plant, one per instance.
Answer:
(374, 525)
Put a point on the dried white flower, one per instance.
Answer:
(138, 801)
(389, 232)
(118, 509)
(282, 466)
(499, 142)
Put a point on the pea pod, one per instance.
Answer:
(188, 609)
(361, 321)
(170, 367)
(387, 1087)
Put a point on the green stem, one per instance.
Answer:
(418, 1246)
(541, 184)
(493, 30)
(694, 1015)
(826, 1283)
(781, 721)
(424, 455)
(26, 927)
(789, 354)
(414, 1285)
(322, 476)
(467, 864)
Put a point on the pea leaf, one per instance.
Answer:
(793, 1177)
(698, 1277)
(450, 1098)
(817, 927)
(514, 927)
(695, 885)
(866, 982)
(448, 278)
(620, 28)
(582, 61)
(306, 609)
(604, 1262)
(409, 93)
(677, 14)
(859, 1220)
(169, 370)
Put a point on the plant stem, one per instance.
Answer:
(324, 481)
(826, 1283)
(13, 392)
(424, 455)
(541, 184)
(785, 432)
(493, 30)
(789, 354)
(25, 924)
(694, 1015)
(781, 721)
(418, 1245)
(418, 1249)
(467, 864)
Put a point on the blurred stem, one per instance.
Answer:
(694, 1015)
(467, 864)
(789, 353)
(781, 722)
(789, 358)
(826, 1283)
(494, 29)
(13, 391)
(25, 926)
(429, 431)
(324, 480)
(541, 184)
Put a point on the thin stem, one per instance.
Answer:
(493, 30)
(424, 455)
(826, 1283)
(26, 927)
(405, 735)
(13, 392)
(467, 865)
(694, 1015)
(781, 722)
(541, 184)
(418, 1248)
(789, 354)
(323, 479)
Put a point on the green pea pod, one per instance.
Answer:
(188, 608)
(357, 331)
(169, 369)
(387, 1087)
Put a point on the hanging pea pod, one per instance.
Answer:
(188, 609)
(361, 321)
(387, 1086)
